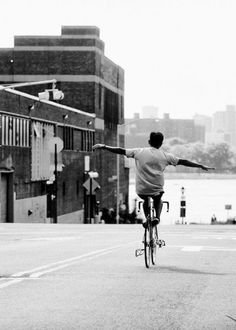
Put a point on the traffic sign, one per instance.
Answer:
(55, 141)
(93, 185)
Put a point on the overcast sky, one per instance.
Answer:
(178, 55)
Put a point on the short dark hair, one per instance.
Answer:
(156, 139)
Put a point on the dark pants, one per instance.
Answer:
(157, 203)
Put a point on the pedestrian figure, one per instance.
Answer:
(213, 219)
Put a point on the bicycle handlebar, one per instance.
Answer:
(163, 202)
(139, 205)
(167, 205)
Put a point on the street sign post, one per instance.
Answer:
(90, 186)
(55, 145)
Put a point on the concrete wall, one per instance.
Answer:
(73, 217)
(31, 209)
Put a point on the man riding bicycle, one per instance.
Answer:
(150, 165)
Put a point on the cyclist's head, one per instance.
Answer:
(156, 139)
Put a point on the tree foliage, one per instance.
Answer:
(218, 155)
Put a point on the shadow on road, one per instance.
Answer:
(168, 269)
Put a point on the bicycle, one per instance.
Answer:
(151, 237)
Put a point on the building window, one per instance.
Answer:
(100, 95)
(77, 139)
(14, 131)
(68, 138)
(87, 140)
(111, 109)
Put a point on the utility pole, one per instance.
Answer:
(118, 178)
(55, 185)
(55, 145)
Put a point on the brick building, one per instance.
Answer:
(93, 87)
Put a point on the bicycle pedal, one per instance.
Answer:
(161, 243)
(139, 252)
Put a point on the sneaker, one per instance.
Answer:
(155, 222)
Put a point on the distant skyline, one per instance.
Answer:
(178, 55)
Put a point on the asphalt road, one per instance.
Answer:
(87, 277)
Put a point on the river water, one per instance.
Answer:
(204, 197)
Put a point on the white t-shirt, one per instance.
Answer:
(150, 165)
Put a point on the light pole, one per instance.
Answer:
(118, 176)
(55, 184)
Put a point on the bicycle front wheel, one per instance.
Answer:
(147, 246)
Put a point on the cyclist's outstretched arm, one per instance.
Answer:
(188, 163)
(115, 150)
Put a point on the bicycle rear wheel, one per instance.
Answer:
(154, 245)
(147, 246)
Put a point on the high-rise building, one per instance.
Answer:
(224, 126)
(230, 123)
(219, 122)
(203, 120)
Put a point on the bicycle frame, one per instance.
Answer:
(151, 239)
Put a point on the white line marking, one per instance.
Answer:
(66, 261)
(4, 285)
(215, 248)
(50, 270)
(200, 237)
(214, 237)
(52, 238)
(191, 248)
(35, 273)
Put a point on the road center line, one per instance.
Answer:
(51, 238)
(50, 270)
(36, 272)
(28, 272)
(191, 248)
(17, 280)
